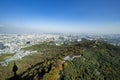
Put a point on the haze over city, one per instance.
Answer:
(70, 16)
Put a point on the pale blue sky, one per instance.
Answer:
(78, 16)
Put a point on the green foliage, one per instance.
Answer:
(98, 61)
(3, 56)
(52, 75)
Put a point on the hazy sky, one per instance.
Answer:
(78, 16)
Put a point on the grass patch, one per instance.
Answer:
(21, 64)
(4, 56)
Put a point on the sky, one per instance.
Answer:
(60, 16)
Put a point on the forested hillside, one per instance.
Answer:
(87, 60)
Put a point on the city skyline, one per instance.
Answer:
(72, 16)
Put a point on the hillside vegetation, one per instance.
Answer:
(98, 61)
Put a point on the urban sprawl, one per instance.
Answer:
(13, 43)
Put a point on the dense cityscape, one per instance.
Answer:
(13, 43)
